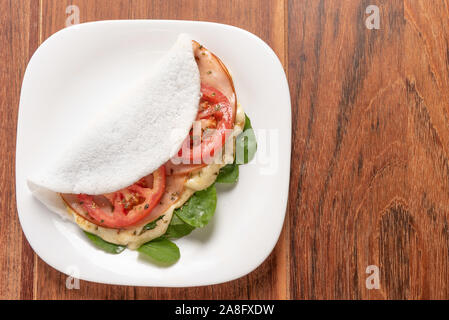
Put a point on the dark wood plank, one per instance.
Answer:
(426, 77)
(18, 40)
(369, 181)
(265, 19)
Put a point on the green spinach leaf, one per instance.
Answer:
(104, 245)
(177, 228)
(247, 123)
(151, 225)
(200, 208)
(161, 250)
(228, 174)
(245, 144)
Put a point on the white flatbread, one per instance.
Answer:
(131, 138)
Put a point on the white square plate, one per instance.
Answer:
(85, 65)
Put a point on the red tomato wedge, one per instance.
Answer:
(127, 206)
(217, 107)
(215, 113)
(174, 187)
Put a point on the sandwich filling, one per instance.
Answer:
(179, 188)
(142, 211)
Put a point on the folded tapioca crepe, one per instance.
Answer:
(117, 180)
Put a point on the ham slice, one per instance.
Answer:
(174, 188)
(213, 73)
(182, 169)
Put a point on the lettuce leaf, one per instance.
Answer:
(228, 174)
(161, 250)
(104, 245)
(177, 228)
(200, 208)
(245, 144)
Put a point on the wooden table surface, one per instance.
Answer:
(370, 153)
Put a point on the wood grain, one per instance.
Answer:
(369, 183)
(18, 41)
(370, 160)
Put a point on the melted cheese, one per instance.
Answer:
(136, 236)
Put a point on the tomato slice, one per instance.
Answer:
(216, 113)
(217, 108)
(127, 206)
